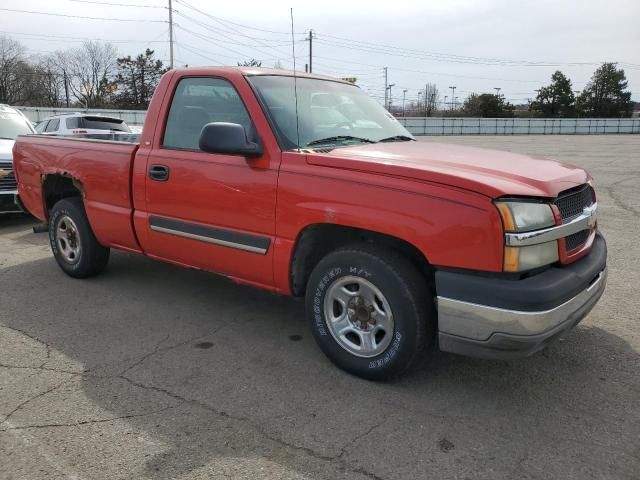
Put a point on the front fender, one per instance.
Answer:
(451, 227)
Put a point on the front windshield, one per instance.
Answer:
(12, 125)
(330, 113)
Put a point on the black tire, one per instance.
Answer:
(92, 257)
(405, 291)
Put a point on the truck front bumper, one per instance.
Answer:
(10, 203)
(498, 318)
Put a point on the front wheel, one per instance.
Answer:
(370, 311)
(73, 243)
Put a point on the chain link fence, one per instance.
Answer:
(519, 126)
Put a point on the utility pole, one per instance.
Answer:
(426, 99)
(310, 39)
(66, 86)
(170, 36)
(497, 89)
(432, 105)
(389, 97)
(404, 98)
(453, 93)
(386, 87)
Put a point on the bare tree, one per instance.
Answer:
(12, 69)
(431, 99)
(50, 81)
(89, 69)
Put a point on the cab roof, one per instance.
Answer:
(256, 71)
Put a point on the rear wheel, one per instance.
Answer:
(73, 243)
(370, 311)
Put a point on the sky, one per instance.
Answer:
(476, 46)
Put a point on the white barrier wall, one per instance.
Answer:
(519, 126)
(131, 117)
(429, 125)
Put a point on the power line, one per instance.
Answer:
(228, 39)
(192, 50)
(439, 56)
(473, 77)
(222, 20)
(118, 4)
(214, 42)
(233, 40)
(83, 17)
(225, 32)
(71, 38)
(424, 56)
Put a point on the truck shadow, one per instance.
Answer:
(210, 370)
(9, 221)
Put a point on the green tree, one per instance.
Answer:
(250, 63)
(137, 79)
(605, 95)
(557, 99)
(487, 105)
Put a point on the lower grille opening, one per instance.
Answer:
(576, 240)
(8, 182)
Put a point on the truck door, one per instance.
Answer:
(211, 211)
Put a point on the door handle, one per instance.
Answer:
(159, 173)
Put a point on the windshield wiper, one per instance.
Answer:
(398, 138)
(337, 138)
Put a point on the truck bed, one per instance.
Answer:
(102, 169)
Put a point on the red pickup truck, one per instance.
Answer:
(307, 187)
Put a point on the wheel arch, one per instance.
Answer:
(317, 240)
(56, 186)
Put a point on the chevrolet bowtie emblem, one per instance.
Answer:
(4, 173)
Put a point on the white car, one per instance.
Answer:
(12, 123)
(76, 123)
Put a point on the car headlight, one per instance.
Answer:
(519, 217)
(520, 259)
(525, 216)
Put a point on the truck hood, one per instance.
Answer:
(490, 172)
(5, 150)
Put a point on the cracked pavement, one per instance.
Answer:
(152, 371)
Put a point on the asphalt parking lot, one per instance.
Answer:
(152, 371)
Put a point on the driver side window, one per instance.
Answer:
(198, 101)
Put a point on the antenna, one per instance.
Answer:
(295, 80)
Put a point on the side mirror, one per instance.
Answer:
(230, 138)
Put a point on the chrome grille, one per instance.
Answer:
(576, 240)
(572, 202)
(8, 183)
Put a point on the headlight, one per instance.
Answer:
(519, 217)
(520, 259)
(525, 216)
